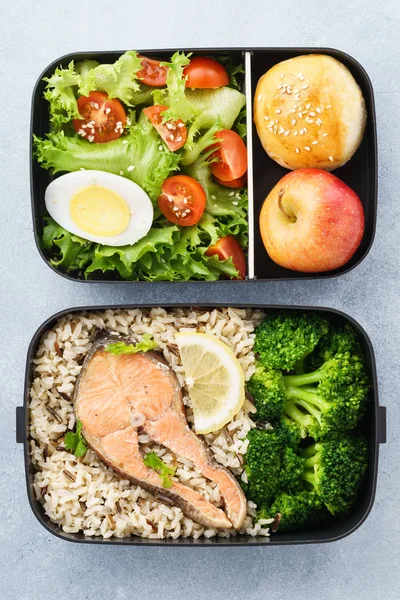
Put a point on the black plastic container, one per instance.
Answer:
(360, 173)
(373, 427)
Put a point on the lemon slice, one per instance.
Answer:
(214, 377)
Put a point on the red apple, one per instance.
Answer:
(311, 221)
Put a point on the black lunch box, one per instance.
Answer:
(360, 173)
(373, 426)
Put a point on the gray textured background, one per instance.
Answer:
(35, 565)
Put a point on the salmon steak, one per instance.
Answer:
(119, 396)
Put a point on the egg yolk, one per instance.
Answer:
(99, 211)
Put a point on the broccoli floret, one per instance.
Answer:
(284, 339)
(270, 464)
(334, 470)
(336, 404)
(340, 338)
(295, 511)
(267, 388)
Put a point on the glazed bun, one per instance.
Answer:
(309, 112)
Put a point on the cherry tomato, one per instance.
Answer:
(228, 247)
(182, 200)
(231, 154)
(152, 73)
(174, 133)
(204, 72)
(235, 183)
(103, 119)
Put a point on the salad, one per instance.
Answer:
(151, 164)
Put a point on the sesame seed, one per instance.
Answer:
(82, 132)
(171, 137)
(295, 132)
(294, 121)
(96, 106)
(281, 129)
(259, 98)
(282, 75)
(307, 148)
(315, 142)
(279, 86)
(297, 150)
(328, 106)
(181, 124)
(318, 121)
(121, 172)
(266, 117)
(308, 106)
(185, 200)
(213, 197)
(296, 91)
(293, 111)
(128, 122)
(324, 135)
(160, 147)
(305, 86)
(108, 110)
(124, 141)
(232, 194)
(235, 203)
(278, 111)
(175, 208)
(170, 125)
(312, 114)
(130, 168)
(272, 122)
(308, 120)
(238, 196)
(287, 132)
(300, 115)
(170, 200)
(300, 76)
(318, 110)
(302, 132)
(330, 158)
(91, 138)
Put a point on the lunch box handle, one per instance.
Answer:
(381, 425)
(20, 419)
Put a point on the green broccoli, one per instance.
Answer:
(340, 338)
(267, 389)
(284, 339)
(271, 464)
(336, 404)
(334, 470)
(295, 511)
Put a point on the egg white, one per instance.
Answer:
(60, 191)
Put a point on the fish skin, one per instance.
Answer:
(109, 431)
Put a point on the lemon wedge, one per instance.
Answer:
(214, 377)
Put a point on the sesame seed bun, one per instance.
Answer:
(309, 112)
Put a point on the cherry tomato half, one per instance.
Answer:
(235, 183)
(103, 119)
(231, 154)
(182, 200)
(152, 73)
(228, 247)
(204, 72)
(174, 133)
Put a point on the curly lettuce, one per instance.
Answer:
(118, 80)
(60, 92)
(140, 148)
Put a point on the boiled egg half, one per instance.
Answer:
(100, 207)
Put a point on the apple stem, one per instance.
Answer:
(280, 196)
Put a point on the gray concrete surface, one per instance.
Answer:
(35, 565)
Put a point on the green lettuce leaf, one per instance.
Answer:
(140, 148)
(174, 95)
(221, 201)
(118, 80)
(60, 92)
(222, 104)
(235, 71)
(146, 344)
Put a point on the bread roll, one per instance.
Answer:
(309, 112)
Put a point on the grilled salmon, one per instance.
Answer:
(116, 396)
